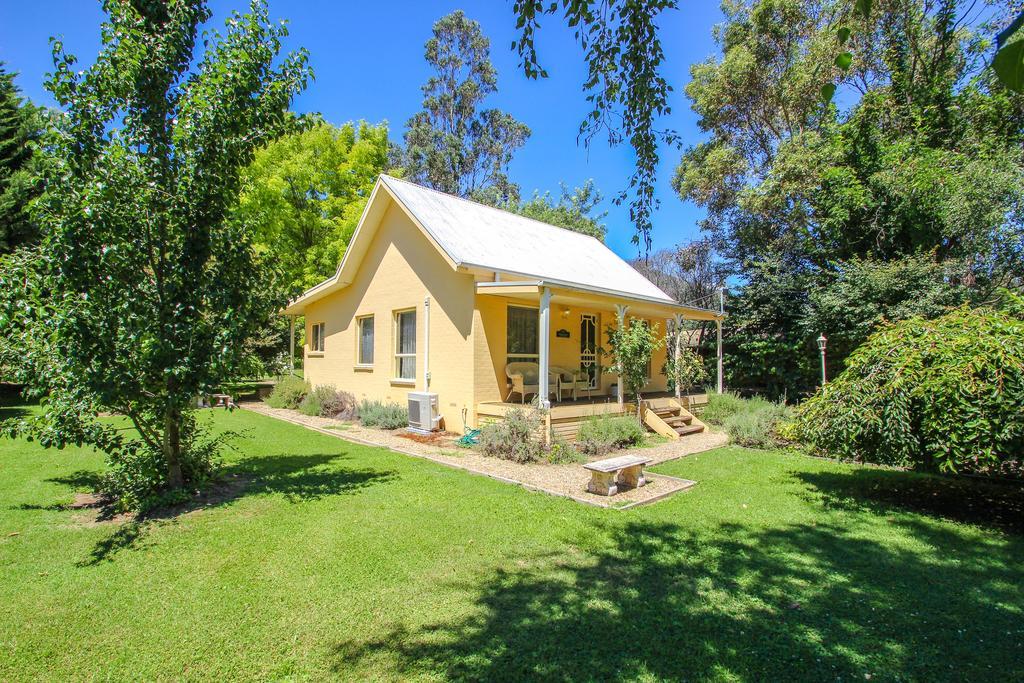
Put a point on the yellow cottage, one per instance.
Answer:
(464, 310)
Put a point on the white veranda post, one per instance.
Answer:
(544, 345)
(718, 326)
(677, 350)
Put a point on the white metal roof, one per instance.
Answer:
(481, 236)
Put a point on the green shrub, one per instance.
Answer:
(518, 437)
(599, 435)
(341, 405)
(383, 415)
(751, 422)
(288, 392)
(312, 402)
(137, 479)
(942, 395)
(722, 406)
(562, 453)
(757, 427)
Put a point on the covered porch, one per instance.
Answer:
(544, 341)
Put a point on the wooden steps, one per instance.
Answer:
(667, 417)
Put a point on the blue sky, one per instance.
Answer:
(368, 59)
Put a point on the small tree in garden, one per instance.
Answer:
(150, 287)
(682, 364)
(631, 345)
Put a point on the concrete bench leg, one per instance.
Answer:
(632, 477)
(602, 483)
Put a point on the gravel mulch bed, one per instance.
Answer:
(568, 480)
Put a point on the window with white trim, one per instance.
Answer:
(405, 344)
(523, 334)
(364, 340)
(316, 337)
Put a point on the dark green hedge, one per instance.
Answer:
(943, 395)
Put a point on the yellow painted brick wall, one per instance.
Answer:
(400, 268)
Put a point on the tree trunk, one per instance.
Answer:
(172, 448)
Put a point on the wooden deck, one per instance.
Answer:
(566, 416)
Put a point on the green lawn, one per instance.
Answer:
(337, 560)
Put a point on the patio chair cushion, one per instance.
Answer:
(530, 372)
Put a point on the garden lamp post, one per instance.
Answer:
(822, 342)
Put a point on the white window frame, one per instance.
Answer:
(359, 341)
(521, 357)
(316, 339)
(398, 355)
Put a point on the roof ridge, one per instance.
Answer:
(495, 208)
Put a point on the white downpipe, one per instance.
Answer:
(544, 347)
(426, 343)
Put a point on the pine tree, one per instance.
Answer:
(20, 128)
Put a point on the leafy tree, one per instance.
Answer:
(943, 395)
(21, 125)
(631, 345)
(625, 86)
(151, 286)
(865, 294)
(574, 210)
(305, 192)
(683, 366)
(454, 145)
(926, 159)
(691, 272)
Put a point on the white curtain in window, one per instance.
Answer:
(407, 345)
(366, 341)
(523, 331)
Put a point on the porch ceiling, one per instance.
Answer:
(568, 296)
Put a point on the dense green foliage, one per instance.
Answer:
(753, 422)
(601, 435)
(574, 210)
(453, 144)
(21, 126)
(383, 415)
(145, 288)
(518, 437)
(944, 395)
(304, 193)
(631, 345)
(683, 366)
(908, 199)
(288, 392)
(822, 570)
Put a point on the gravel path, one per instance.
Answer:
(561, 480)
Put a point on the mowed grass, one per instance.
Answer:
(337, 560)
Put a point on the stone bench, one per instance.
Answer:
(606, 476)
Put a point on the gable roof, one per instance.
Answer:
(476, 235)
(481, 237)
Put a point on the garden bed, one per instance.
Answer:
(569, 480)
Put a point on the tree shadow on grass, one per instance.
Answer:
(79, 480)
(985, 503)
(298, 478)
(655, 600)
(12, 411)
